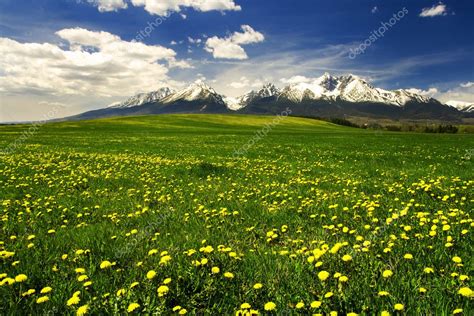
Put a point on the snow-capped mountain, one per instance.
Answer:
(348, 88)
(326, 96)
(269, 90)
(462, 106)
(194, 92)
(143, 98)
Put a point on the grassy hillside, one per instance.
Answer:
(204, 213)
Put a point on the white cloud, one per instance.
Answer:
(296, 79)
(431, 92)
(462, 93)
(435, 10)
(109, 5)
(194, 40)
(231, 47)
(467, 84)
(95, 63)
(163, 7)
(244, 82)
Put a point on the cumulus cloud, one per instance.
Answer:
(109, 5)
(296, 80)
(431, 92)
(467, 84)
(436, 10)
(161, 7)
(231, 47)
(87, 63)
(463, 93)
(244, 82)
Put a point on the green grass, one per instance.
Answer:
(177, 181)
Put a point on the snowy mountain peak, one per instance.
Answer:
(143, 98)
(349, 88)
(198, 90)
(199, 84)
(268, 90)
(466, 107)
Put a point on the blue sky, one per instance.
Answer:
(78, 54)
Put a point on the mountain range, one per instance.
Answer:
(326, 96)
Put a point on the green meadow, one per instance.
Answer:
(234, 215)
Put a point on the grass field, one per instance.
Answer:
(158, 215)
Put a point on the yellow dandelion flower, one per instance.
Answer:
(163, 290)
(152, 252)
(42, 299)
(46, 290)
(29, 292)
(387, 273)
(8, 281)
(82, 278)
(121, 292)
(21, 278)
(399, 307)
(105, 264)
(229, 275)
(346, 258)
(132, 307)
(74, 300)
(463, 277)
(323, 275)
(165, 260)
(245, 306)
(82, 310)
(258, 286)
(150, 274)
(269, 306)
(315, 304)
(465, 291)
